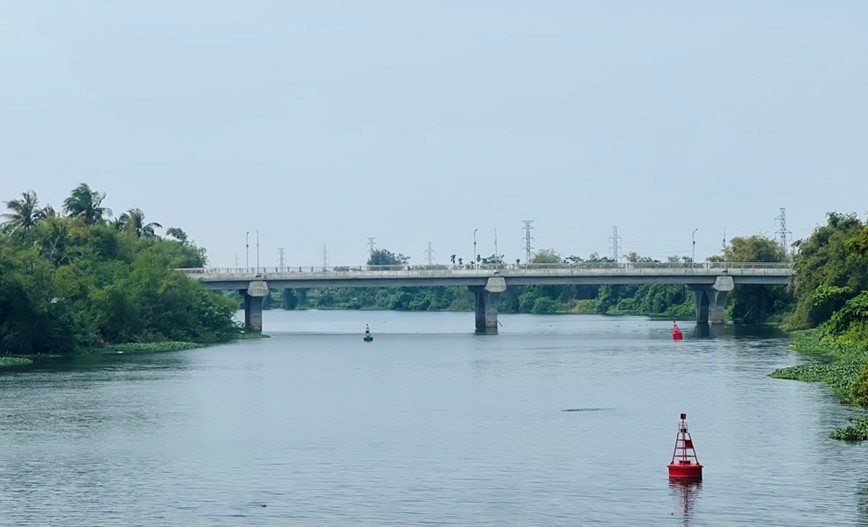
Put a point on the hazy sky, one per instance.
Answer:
(325, 123)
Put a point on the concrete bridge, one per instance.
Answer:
(709, 282)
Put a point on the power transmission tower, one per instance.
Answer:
(527, 238)
(236, 260)
(615, 246)
(430, 253)
(325, 258)
(371, 245)
(280, 263)
(783, 232)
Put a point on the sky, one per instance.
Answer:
(321, 124)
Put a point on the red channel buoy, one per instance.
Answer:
(684, 464)
(676, 333)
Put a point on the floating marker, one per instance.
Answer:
(684, 464)
(676, 333)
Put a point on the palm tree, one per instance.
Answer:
(86, 204)
(177, 233)
(25, 212)
(56, 242)
(133, 221)
(48, 212)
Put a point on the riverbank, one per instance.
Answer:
(838, 366)
(11, 361)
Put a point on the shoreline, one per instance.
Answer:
(838, 366)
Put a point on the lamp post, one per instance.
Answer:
(693, 246)
(474, 247)
(257, 250)
(247, 251)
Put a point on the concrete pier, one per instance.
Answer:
(253, 295)
(711, 300)
(486, 311)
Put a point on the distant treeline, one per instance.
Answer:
(752, 304)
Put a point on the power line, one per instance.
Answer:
(527, 239)
(615, 246)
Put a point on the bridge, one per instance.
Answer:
(710, 282)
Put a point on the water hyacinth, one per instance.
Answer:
(14, 361)
(840, 367)
(150, 347)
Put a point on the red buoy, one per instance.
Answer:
(676, 333)
(684, 464)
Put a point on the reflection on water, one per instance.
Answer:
(761, 331)
(685, 494)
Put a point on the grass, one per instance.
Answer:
(6, 361)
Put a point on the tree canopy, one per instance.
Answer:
(74, 282)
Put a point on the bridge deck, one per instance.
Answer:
(419, 276)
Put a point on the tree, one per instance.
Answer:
(756, 303)
(133, 221)
(86, 204)
(386, 257)
(831, 268)
(25, 212)
(177, 233)
(495, 260)
(546, 256)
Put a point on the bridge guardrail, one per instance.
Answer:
(617, 267)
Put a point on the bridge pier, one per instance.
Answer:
(253, 296)
(485, 302)
(711, 300)
(252, 312)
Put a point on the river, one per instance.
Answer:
(558, 420)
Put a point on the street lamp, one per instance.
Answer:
(474, 247)
(693, 253)
(247, 251)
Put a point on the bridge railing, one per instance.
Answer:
(627, 266)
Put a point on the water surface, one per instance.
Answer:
(559, 420)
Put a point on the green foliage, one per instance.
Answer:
(849, 324)
(855, 432)
(24, 213)
(544, 306)
(86, 204)
(73, 283)
(546, 256)
(831, 267)
(751, 304)
(149, 347)
(386, 257)
(14, 361)
(839, 366)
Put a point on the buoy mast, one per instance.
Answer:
(684, 462)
